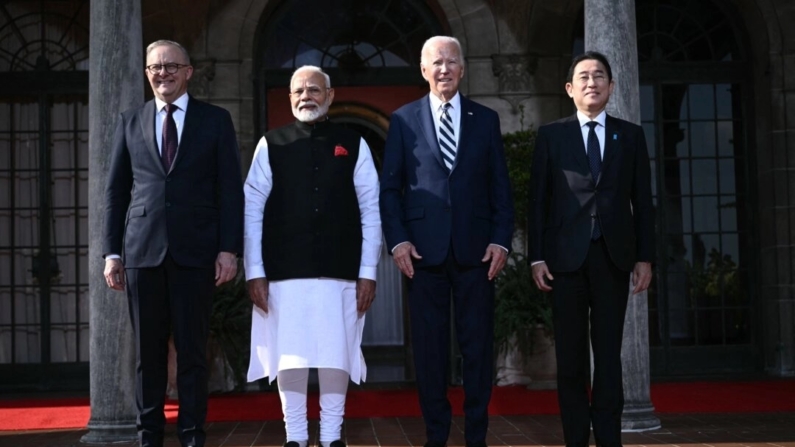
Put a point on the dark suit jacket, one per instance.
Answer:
(194, 211)
(421, 202)
(564, 196)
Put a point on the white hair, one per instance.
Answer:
(161, 42)
(313, 69)
(441, 40)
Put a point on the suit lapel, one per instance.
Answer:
(148, 123)
(466, 126)
(193, 119)
(425, 121)
(576, 144)
(612, 138)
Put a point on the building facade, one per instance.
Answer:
(717, 86)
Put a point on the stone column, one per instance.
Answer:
(115, 84)
(610, 29)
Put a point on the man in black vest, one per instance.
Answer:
(312, 243)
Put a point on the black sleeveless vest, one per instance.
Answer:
(312, 226)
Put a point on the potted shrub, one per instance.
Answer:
(522, 314)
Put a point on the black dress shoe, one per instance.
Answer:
(477, 444)
(291, 444)
(435, 444)
(337, 443)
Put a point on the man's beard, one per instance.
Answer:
(311, 115)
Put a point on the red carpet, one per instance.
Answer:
(690, 397)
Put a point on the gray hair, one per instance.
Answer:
(161, 42)
(313, 69)
(442, 39)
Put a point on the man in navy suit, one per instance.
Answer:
(447, 215)
(591, 227)
(173, 230)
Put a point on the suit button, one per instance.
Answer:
(316, 188)
(316, 168)
(317, 210)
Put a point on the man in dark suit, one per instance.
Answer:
(591, 227)
(173, 230)
(447, 215)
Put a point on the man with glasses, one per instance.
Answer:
(173, 231)
(591, 228)
(312, 243)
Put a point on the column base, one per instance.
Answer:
(639, 418)
(106, 432)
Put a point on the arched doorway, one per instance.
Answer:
(371, 51)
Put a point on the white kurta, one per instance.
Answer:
(311, 323)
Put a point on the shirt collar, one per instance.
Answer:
(436, 103)
(601, 118)
(181, 102)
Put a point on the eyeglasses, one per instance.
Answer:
(311, 91)
(170, 68)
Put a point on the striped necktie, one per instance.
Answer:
(447, 140)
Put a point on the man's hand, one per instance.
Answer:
(540, 275)
(258, 292)
(497, 255)
(114, 273)
(225, 267)
(402, 255)
(641, 276)
(365, 294)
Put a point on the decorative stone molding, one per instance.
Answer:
(515, 72)
(203, 75)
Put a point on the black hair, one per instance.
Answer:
(590, 55)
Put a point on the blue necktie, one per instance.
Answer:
(595, 163)
(447, 137)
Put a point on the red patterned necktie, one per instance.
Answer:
(169, 148)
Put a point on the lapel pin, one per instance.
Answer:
(469, 113)
(615, 136)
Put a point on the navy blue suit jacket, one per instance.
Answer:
(466, 208)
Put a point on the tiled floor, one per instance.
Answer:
(690, 430)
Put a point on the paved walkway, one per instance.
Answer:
(680, 430)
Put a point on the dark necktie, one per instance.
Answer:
(595, 163)
(447, 137)
(169, 148)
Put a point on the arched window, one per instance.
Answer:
(43, 190)
(694, 88)
(693, 91)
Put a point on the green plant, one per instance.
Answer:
(519, 147)
(520, 308)
(230, 324)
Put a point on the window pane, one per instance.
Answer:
(648, 130)
(702, 139)
(723, 100)
(646, 103)
(677, 177)
(728, 213)
(705, 214)
(727, 177)
(726, 138)
(705, 177)
(674, 99)
(702, 101)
